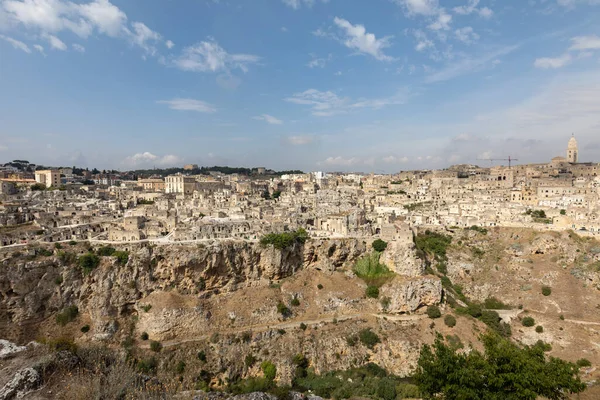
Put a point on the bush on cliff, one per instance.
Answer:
(88, 262)
(284, 240)
(369, 269)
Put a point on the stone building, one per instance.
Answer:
(180, 184)
(572, 152)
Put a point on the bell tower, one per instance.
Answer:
(572, 152)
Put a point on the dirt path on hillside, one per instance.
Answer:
(291, 325)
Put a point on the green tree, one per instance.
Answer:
(379, 245)
(503, 371)
(433, 312)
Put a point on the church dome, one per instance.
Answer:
(572, 143)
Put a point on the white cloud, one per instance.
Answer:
(466, 35)
(486, 12)
(423, 42)
(357, 38)
(78, 47)
(208, 56)
(3, 148)
(557, 62)
(317, 62)
(469, 64)
(297, 4)
(269, 119)
(189, 105)
(144, 37)
(17, 44)
(419, 7)
(55, 42)
(442, 22)
(49, 17)
(39, 48)
(300, 140)
(471, 7)
(395, 160)
(169, 44)
(340, 161)
(147, 159)
(581, 43)
(325, 104)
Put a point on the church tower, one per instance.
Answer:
(572, 152)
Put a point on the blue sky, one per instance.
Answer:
(337, 85)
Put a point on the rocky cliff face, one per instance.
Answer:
(33, 288)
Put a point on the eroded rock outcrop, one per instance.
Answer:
(409, 294)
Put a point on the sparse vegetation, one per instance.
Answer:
(479, 229)
(67, 315)
(320, 287)
(369, 269)
(155, 346)
(295, 302)
(368, 338)
(432, 243)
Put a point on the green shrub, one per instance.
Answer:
(368, 338)
(283, 310)
(546, 290)
(144, 336)
(122, 257)
(202, 356)
(67, 315)
(492, 303)
(432, 243)
(442, 267)
(88, 262)
(85, 329)
(379, 245)
(155, 346)
(269, 370)
(147, 307)
(319, 286)
(66, 257)
(385, 302)
(250, 360)
(303, 326)
(539, 329)
(147, 366)
(372, 292)
(72, 243)
(58, 280)
(105, 251)
(295, 302)
(492, 320)
(284, 240)
(450, 321)
(474, 310)
(528, 321)
(562, 317)
(180, 367)
(454, 342)
(433, 312)
(583, 362)
(57, 246)
(478, 229)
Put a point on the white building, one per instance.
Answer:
(49, 177)
(180, 184)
